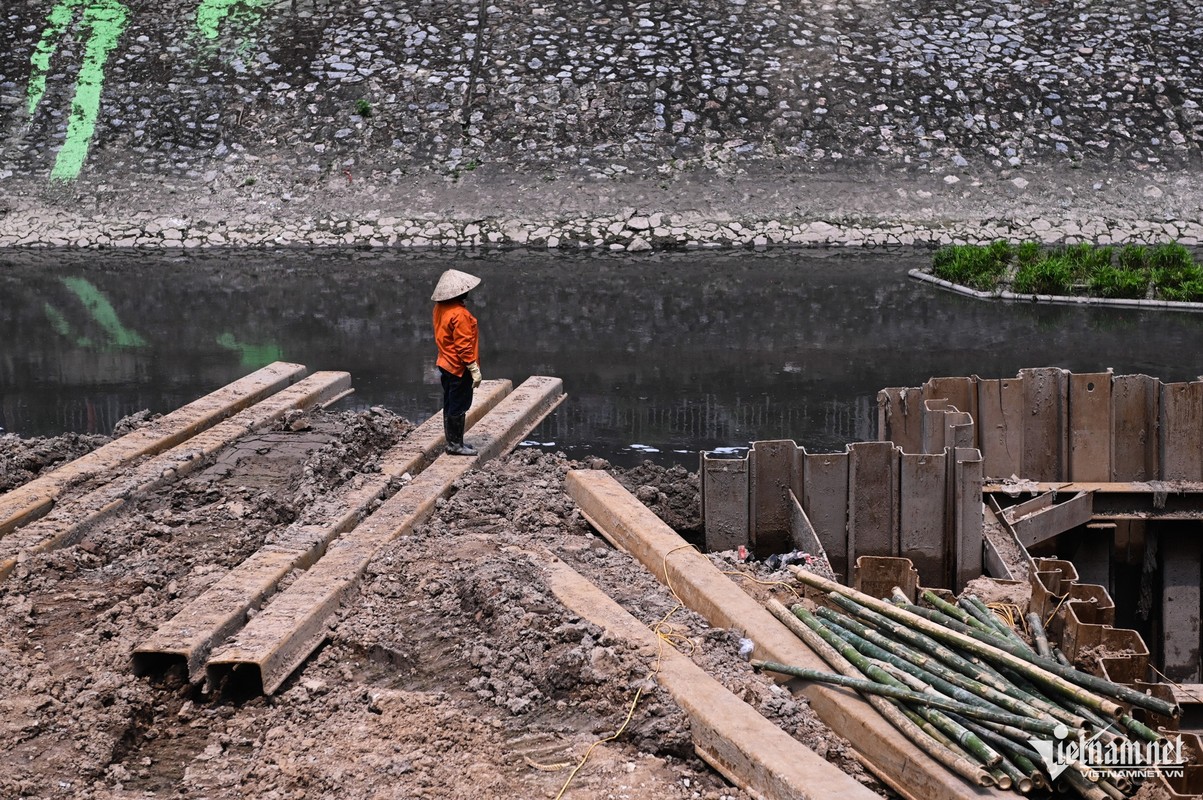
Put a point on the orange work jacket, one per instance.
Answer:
(456, 336)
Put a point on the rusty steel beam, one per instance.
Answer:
(1181, 431)
(803, 533)
(71, 518)
(923, 514)
(290, 627)
(699, 585)
(29, 501)
(1045, 424)
(900, 418)
(770, 476)
(1182, 555)
(1135, 410)
(1033, 526)
(968, 547)
(873, 499)
(187, 638)
(730, 735)
(1179, 500)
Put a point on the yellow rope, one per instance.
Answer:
(665, 634)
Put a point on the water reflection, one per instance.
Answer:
(673, 352)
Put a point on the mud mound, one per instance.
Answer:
(22, 460)
(674, 493)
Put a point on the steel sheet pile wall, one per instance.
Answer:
(871, 499)
(1049, 424)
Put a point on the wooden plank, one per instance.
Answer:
(872, 499)
(1000, 426)
(700, 586)
(70, 518)
(293, 624)
(922, 522)
(1044, 524)
(751, 752)
(1181, 431)
(825, 500)
(770, 476)
(967, 511)
(1181, 555)
(33, 499)
(188, 637)
(725, 502)
(1090, 426)
(1135, 411)
(1045, 424)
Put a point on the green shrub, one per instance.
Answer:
(1053, 275)
(1028, 253)
(1134, 256)
(1085, 259)
(1173, 267)
(1126, 283)
(1190, 291)
(972, 265)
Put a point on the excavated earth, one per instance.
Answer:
(453, 672)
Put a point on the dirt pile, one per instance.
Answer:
(22, 460)
(453, 672)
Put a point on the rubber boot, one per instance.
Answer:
(455, 436)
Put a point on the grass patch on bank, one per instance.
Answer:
(1161, 272)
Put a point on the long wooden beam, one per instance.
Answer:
(29, 501)
(72, 517)
(751, 752)
(293, 624)
(699, 585)
(188, 637)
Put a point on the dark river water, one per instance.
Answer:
(661, 355)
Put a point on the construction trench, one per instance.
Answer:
(259, 595)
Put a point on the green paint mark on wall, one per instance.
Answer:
(210, 14)
(105, 21)
(252, 356)
(103, 313)
(62, 327)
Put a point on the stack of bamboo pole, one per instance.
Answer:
(970, 691)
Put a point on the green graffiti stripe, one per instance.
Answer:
(106, 19)
(62, 327)
(210, 14)
(56, 22)
(252, 356)
(103, 313)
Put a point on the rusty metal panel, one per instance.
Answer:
(1044, 424)
(1180, 605)
(1135, 403)
(900, 417)
(958, 429)
(1090, 426)
(770, 475)
(825, 500)
(725, 502)
(1181, 431)
(873, 499)
(960, 392)
(934, 427)
(967, 510)
(877, 576)
(1045, 523)
(921, 512)
(1000, 425)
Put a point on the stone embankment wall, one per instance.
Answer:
(211, 122)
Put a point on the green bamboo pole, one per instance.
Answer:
(1139, 729)
(898, 716)
(1062, 679)
(949, 610)
(983, 614)
(929, 708)
(1008, 697)
(1039, 635)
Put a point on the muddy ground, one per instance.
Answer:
(452, 673)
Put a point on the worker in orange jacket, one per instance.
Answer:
(456, 336)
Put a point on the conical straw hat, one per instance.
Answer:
(453, 283)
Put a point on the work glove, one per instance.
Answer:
(474, 368)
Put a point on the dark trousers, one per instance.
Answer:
(457, 393)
